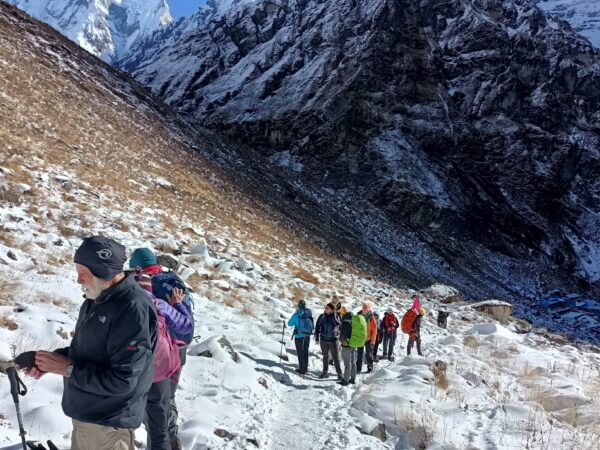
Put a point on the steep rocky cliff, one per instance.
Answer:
(473, 126)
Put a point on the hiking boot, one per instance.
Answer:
(176, 444)
(340, 377)
(298, 370)
(391, 358)
(342, 382)
(352, 381)
(376, 359)
(323, 375)
(369, 370)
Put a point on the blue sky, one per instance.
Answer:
(181, 8)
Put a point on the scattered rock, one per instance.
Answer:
(65, 182)
(378, 432)
(11, 255)
(166, 244)
(195, 229)
(243, 265)
(442, 293)
(168, 261)
(253, 442)
(227, 346)
(205, 354)
(200, 249)
(224, 434)
(496, 309)
(263, 383)
(215, 347)
(59, 242)
(24, 188)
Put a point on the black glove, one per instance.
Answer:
(25, 360)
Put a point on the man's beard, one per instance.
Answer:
(93, 291)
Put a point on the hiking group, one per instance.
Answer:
(352, 338)
(127, 352)
(123, 364)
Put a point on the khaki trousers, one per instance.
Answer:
(89, 436)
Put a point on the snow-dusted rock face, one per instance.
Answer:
(473, 124)
(583, 15)
(106, 28)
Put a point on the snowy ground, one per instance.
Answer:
(504, 387)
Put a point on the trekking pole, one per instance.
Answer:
(282, 341)
(17, 387)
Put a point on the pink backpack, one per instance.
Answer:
(166, 352)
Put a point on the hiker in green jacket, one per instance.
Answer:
(353, 335)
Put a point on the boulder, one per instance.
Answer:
(201, 248)
(168, 261)
(496, 309)
(378, 431)
(166, 244)
(442, 293)
(217, 347)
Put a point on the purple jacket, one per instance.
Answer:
(178, 317)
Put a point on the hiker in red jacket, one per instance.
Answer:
(415, 333)
(389, 327)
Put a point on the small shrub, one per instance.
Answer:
(304, 275)
(8, 323)
(470, 341)
(439, 373)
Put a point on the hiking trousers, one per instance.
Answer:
(376, 347)
(389, 340)
(302, 345)
(330, 348)
(365, 352)
(89, 436)
(157, 416)
(349, 357)
(411, 341)
(173, 413)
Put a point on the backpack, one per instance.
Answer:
(408, 321)
(162, 285)
(166, 349)
(359, 332)
(305, 326)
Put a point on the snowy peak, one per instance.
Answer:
(105, 28)
(583, 15)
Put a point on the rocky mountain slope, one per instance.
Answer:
(582, 15)
(459, 139)
(105, 28)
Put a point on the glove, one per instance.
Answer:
(25, 360)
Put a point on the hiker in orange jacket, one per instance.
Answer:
(367, 350)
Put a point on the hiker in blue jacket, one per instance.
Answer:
(303, 324)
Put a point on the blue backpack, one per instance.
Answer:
(162, 284)
(305, 325)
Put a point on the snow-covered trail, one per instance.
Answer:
(315, 414)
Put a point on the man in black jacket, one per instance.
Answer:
(327, 331)
(108, 368)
